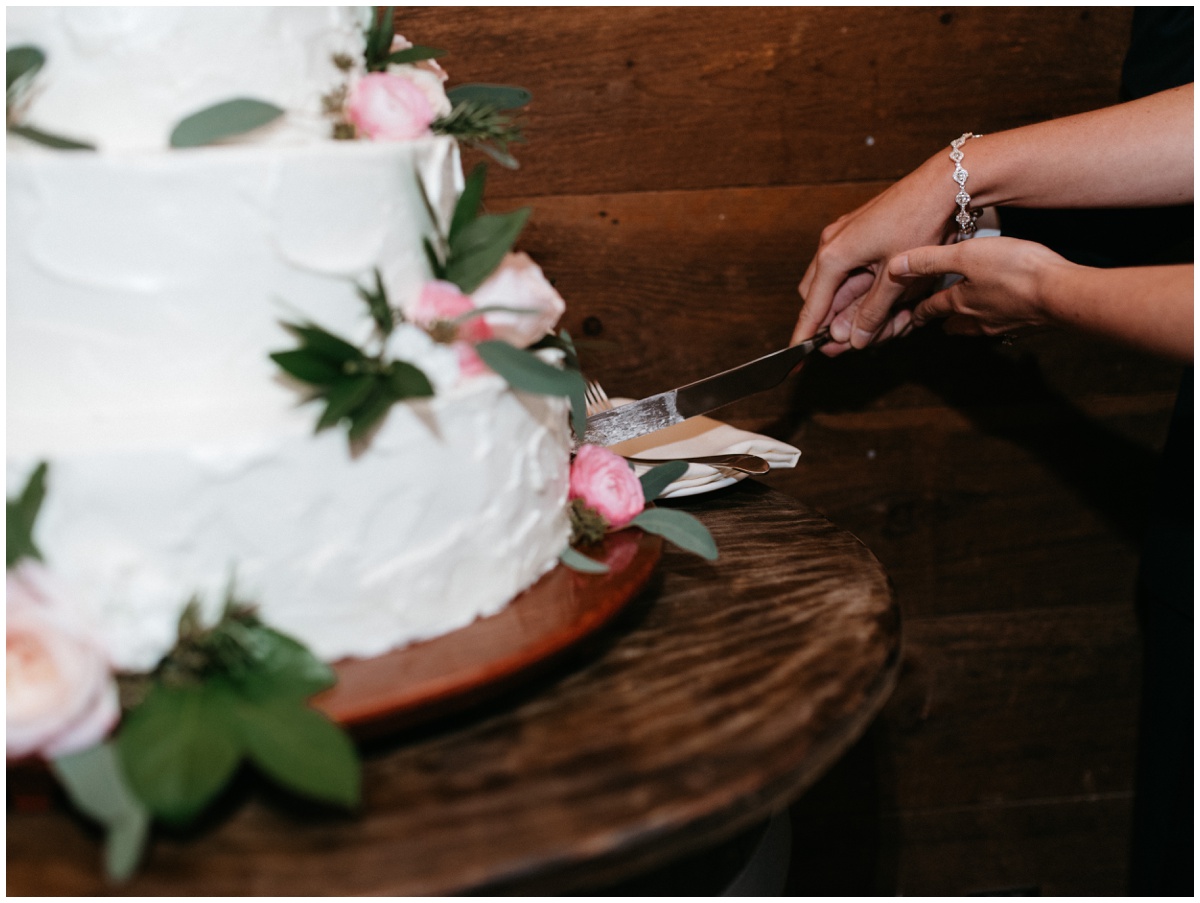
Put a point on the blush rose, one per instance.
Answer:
(520, 285)
(441, 302)
(606, 483)
(60, 695)
(385, 106)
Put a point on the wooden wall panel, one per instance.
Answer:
(657, 98)
(681, 164)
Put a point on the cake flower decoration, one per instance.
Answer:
(449, 315)
(386, 106)
(604, 482)
(60, 695)
(495, 308)
(129, 748)
(605, 495)
(522, 306)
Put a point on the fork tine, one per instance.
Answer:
(596, 398)
(602, 396)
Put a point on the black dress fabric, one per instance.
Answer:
(1160, 56)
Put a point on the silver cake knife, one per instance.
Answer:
(667, 408)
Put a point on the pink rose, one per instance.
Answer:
(607, 484)
(518, 283)
(390, 107)
(60, 693)
(442, 302)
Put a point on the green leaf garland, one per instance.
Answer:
(357, 388)
(227, 694)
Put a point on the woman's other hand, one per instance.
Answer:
(1003, 287)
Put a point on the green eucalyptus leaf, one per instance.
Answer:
(577, 561)
(58, 142)
(308, 366)
(466, 210)
(20, 62)
(680, 528)
(498, 97)
(180, 747)
(96, 785)
(223, 120)
(526, 371)
(655, 480)
(301, 749)
(20, 515)
(408, 381)
(342, 398)
(480, 245)
(414, 54)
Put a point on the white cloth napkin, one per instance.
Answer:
(704, 436)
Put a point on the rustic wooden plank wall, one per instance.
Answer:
(681, 163)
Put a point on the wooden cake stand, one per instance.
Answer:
(706, 705)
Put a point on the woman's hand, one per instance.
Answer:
(1004, 288)
(847, 287)
(1010, 285)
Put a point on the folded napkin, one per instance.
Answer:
(700, 436)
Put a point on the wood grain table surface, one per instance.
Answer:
(714, 700)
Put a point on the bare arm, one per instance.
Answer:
(1134, 154)
(1010, 285)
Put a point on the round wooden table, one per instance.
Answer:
(721, 693)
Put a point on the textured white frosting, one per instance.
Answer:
(458, 505)
(122, 78)
(145, 291)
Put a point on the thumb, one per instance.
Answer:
(933, 260)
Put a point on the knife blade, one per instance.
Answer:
(667, 408)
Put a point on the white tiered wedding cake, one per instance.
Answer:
(147, 288)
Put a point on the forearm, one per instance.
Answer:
(1151, 308)
(1136, 154)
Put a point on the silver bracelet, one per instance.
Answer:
(965, 218)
